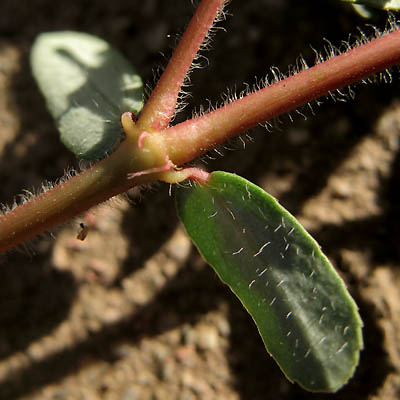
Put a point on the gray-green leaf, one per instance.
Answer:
(306, 317)
(87, 86)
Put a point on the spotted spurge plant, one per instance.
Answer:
(305, 316)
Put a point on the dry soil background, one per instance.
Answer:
(133, 312)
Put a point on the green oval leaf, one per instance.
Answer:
(308, 321)
(87, 86)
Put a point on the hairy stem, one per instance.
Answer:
(194, 137)
(186, 141)
(160, 108)
(104, 180)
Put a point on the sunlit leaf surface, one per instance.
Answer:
(307, 319)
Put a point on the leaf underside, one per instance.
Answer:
(308, 321)
(87, 86)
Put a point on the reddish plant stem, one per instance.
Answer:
(117, 173)
(72, 197)
(186, 141)
(190, 139)
(160, 108)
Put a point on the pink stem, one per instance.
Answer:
(186, 141)
(159, 109)
(194, 137)
(70, 198)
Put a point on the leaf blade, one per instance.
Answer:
(305, 316)
(87, 85)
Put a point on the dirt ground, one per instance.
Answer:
(133, 312)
